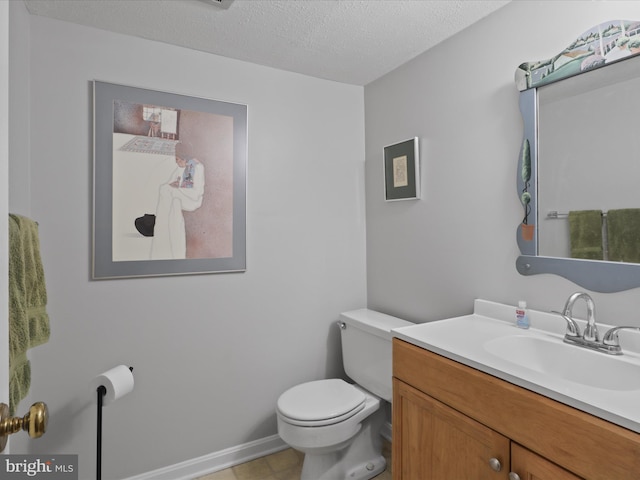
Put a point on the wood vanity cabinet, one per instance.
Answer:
(453, 422)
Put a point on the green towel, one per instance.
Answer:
(585, 231)
(623, 230)
(28, 318)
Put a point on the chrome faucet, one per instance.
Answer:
(591, 330)
(590, 338)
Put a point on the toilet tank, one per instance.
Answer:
(366, 349)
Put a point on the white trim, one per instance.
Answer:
(213, 462)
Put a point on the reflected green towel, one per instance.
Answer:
(28, 319)
(585, 231)
(623, 231)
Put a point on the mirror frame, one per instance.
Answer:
(595, 275)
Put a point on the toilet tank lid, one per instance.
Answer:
(377, 323)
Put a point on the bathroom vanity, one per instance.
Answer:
(461, 411)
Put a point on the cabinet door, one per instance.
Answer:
(439, 443)
(529, 466)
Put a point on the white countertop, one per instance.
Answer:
(463, 339)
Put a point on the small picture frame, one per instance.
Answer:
(402, 171)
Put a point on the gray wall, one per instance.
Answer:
(429, 259)
(208, 372)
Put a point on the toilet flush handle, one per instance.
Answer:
(342, 325)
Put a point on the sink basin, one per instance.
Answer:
(607, 386)
(567, 362)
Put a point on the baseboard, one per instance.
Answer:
(230, 457)
(213, 462)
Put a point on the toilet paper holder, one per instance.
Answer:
(34, 422)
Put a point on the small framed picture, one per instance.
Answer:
(402, 171)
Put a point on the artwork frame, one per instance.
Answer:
(402, 171)
(139, 139)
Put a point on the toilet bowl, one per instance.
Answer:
(339, 442)
(337, 424)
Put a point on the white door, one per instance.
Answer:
(4, 201)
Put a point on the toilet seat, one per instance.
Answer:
(320, 403)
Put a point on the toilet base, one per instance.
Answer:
(329, 467)
(360, 459)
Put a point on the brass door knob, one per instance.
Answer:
(34, 422)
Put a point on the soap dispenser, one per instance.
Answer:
(522, 317)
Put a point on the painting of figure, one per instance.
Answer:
(172, 180)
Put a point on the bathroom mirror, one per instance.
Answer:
(577, 169)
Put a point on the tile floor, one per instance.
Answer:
(284, 465)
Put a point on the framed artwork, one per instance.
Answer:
(402, 171)
(169, 183)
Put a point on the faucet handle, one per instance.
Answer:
(573, 330)
(611, 337)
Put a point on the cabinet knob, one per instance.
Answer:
(514, 476)
(495, 464)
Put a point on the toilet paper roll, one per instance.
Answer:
(118, 382)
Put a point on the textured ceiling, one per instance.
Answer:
(349, 41)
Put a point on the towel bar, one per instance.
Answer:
(554, 214)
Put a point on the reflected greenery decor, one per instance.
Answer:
(526, 178)
(525, 197)
(601, 45)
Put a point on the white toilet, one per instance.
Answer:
(334, 423)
